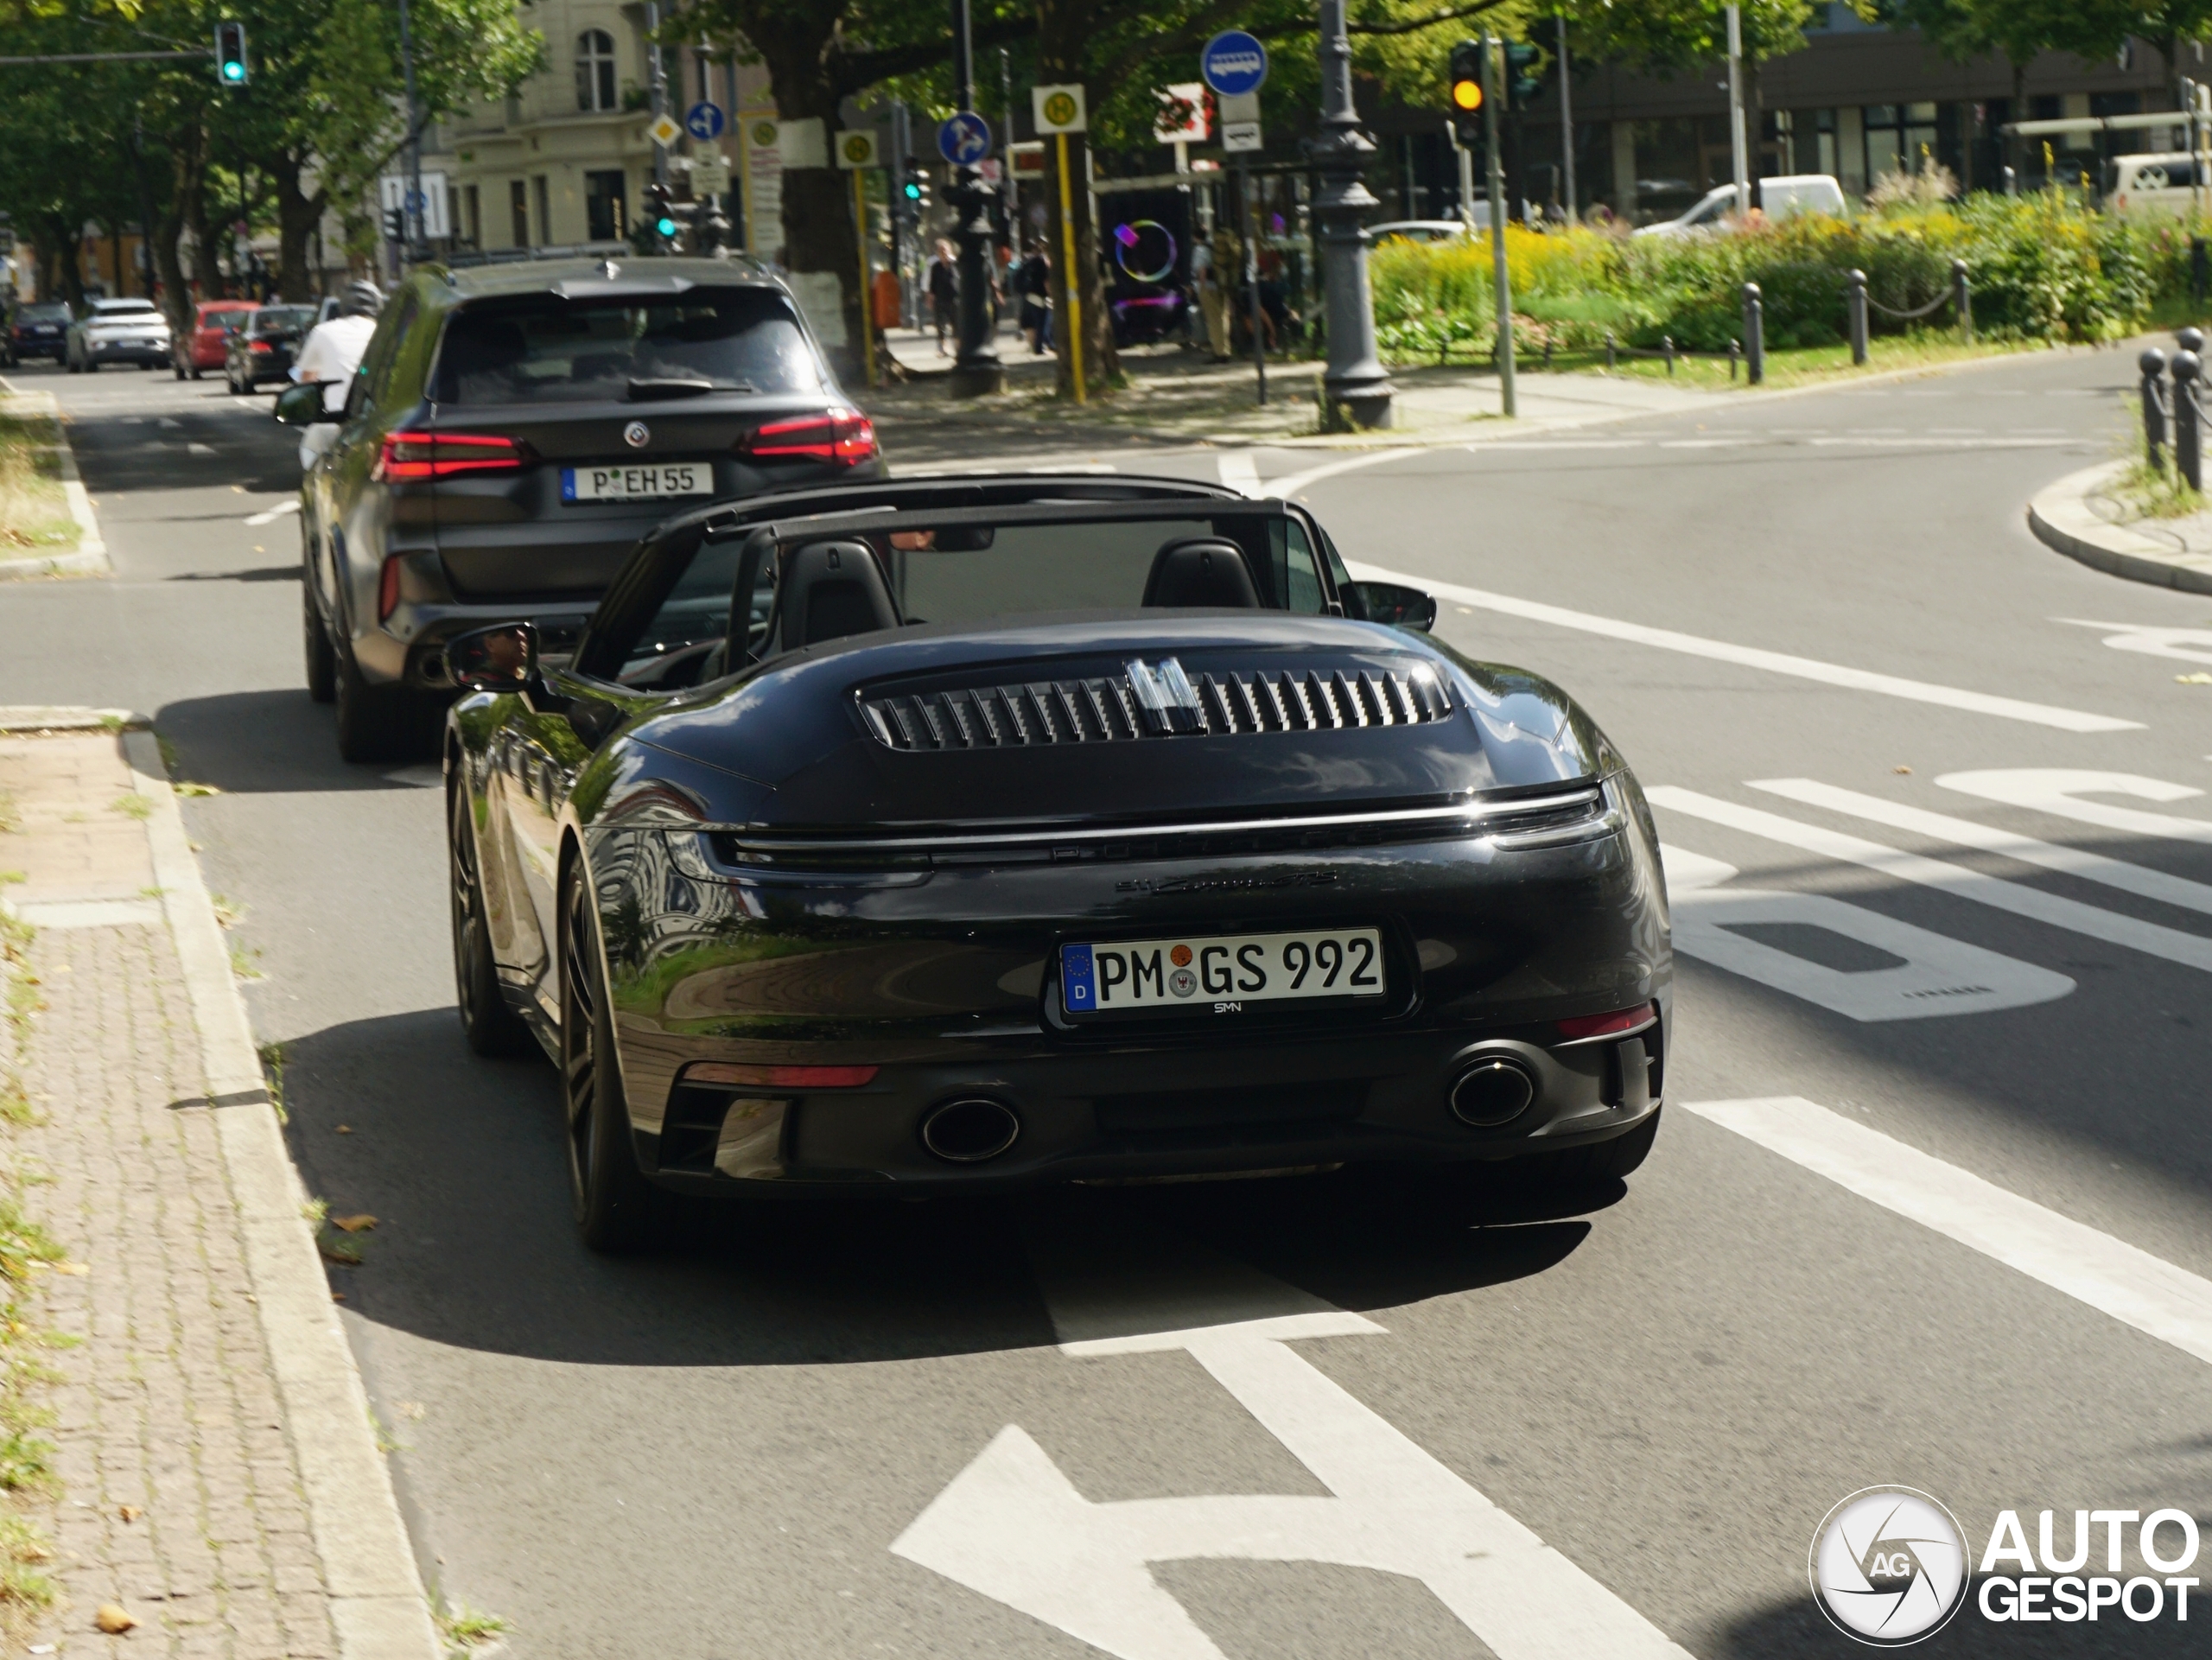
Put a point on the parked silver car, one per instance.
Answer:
(118, 331)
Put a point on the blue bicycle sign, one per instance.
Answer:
(965, 139)
(1234, 63)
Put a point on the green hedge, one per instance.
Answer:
(2042, 267)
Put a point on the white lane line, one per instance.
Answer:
(1014, 1528)
(1513, 445)
(2138, 880)
(1240, 473)
(199, 450)
(275, 513)
(1804, 668)
(1933, 976)
(2152, 640)
(1926, 443)
(2057, 790)
(1291, 484)
(2192, 950)
(2110, 1275)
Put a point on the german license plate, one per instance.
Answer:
(639, 483)
(1223, 973)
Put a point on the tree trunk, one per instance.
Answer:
(821, 240)
(297, 215)
(1064, 28)
(64, 242)
(189, 171)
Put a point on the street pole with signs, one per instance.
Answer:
(413, 217)
(1567, 124)
(1502, 274)
(856, 155)
(1060, 112)
(1736, 148)
(964, 140)
(1235, 65)
(657, 80)
(1356, 381)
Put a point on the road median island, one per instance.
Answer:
(2089, 517)
(215, 1472)
(46, 524)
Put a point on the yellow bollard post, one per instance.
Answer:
(1072, 332)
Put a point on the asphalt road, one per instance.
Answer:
(711, 1453)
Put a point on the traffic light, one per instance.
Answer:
(1467, 92)
(661, 222)
(1522, 80)
(230, 54)
(395, 224)
(916, 188)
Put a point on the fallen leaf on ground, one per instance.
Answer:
(70, 1267)
(113, 1619)
(337, 1296)
(345, 1129)
(130, 1513)
(2200, 679)
(360, 1224)
(1901, 770)
(342, 1251)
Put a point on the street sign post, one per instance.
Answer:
(965, 139)
(856, 155)
(1235, 65)
(1060, 112)
(704, 121)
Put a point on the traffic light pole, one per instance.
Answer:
(976, 371)
(1355, 382)
(1492, 91)
(412, 207)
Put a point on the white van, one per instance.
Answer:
(2160, 185)
(1780, 197)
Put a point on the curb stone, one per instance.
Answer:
(90, 556)
(378, 1609)
(2061, 518)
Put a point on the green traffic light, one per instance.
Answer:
(233, 71)
(667, 227)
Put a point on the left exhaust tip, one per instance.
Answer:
(970, 1131)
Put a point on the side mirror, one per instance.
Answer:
(502, 658)
(1393, 603)
(302, 405)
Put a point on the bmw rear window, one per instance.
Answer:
(546, 350)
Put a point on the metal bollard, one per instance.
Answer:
(2200, 271)
(2190, 339)
(1609, 351)
(2188, 450)
(2153, 366)
(1735, 356)
(1754, 336)
(1855, 301)
(1667, 344)
(1962, 299)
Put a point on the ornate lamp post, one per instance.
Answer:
(976, 371)
(1356, 379)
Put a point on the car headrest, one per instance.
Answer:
(1202, 571)
(830, 589)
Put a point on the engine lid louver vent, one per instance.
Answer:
(1153, 700)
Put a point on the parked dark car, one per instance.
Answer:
(40, 330)
(207, 343)
(965, 837)
(513, 432)
(264, 349)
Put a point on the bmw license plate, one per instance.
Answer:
(642, 483)
(1221, 974)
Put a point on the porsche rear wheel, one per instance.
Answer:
(616, 1209)
(491, 1028)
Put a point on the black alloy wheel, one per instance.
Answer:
(491, 1028)
(616, 1209)
(322, 660)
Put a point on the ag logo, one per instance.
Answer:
(1889, 1566)
(1059, 109)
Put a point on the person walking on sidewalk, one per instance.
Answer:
(1036, 279)
(1210, 263)
(942, 281)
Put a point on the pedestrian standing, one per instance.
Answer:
(943, 280)
(884, 303)
(1036, 279)
(1212, 263)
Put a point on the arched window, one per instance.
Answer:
(595, 71)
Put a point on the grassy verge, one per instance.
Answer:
(26, 1252)
(34, 515)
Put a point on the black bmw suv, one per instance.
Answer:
(511, 432)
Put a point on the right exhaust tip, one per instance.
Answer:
(1495, 1091)
(970, 1131)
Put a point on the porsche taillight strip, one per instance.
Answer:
(1584, 807)
(1103, 710)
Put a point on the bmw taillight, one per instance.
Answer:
(388, 589)
(841, 437)
(445, 454)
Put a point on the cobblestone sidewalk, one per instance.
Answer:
(183, 1499)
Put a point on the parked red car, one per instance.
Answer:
(214, 322)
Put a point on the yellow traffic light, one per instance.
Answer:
(1467, 95)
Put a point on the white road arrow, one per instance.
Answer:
(1012, 1527)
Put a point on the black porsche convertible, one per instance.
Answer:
(940, 834)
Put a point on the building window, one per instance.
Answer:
(518, 206)
(595, 71)
(605, 205)
(1896, 137)
(472, 210)
(544, 209)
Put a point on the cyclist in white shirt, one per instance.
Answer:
(330, 355)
